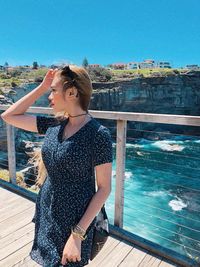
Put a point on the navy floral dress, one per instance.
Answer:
(68, 188)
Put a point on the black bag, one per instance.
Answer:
(101, 232)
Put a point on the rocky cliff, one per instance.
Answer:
(177, 94)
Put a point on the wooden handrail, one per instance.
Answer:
(129, 116)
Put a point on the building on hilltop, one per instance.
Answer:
(119, 66)
(163, 65)
(132, 65)
(192, 67)
(147, 64)
(94, 65)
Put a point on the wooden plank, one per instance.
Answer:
(14, 199)
(120, 173)
(116, 255)
(108, 247)
(4, 197)
(133, 258)
(17, 256)
(27, 262)
(23, 262)
(167, 264)
(16, 222)
(150, 261)
(16, 245)
(10, 238)
(15, 207)
(4, 193)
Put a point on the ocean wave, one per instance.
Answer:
(169, 145)
(128, 145)
(177, 204)
(155, 193)
(140, 153)
(128, 175)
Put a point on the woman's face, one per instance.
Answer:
(57, 99)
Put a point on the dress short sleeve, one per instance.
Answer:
(102, 146)
(43, 123)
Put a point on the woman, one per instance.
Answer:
(67, 203)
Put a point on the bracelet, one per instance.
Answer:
(81, 229)
(78, 234)
(78, 229)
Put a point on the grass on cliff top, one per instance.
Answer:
(17, 77)
(146, 72)
(34, 74)
(9, 81)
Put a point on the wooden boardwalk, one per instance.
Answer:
(17, 232)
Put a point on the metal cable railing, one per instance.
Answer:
(163, 219)
(162, 237)
(176, 171)
(168, 173)
(163, 210)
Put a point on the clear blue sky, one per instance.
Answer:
(103, 31)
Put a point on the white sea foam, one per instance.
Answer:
(140, 153)
(128, 175)
(197, 141)
(132, 145)
(113, 173)
(169, 145)
(177, 204)
(155, 193)
(129, 145)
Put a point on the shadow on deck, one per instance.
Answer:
(17, 233)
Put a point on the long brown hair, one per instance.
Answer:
(71, 75)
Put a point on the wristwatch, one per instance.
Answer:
(79, 232)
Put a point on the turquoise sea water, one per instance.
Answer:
(162, 193)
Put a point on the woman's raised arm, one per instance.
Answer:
(15, 116)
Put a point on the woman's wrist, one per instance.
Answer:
(79, 232)
(43, 87)
(76, 238)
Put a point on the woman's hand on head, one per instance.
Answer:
(47, 81)
(72, 250)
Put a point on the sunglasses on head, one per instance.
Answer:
(68, 72)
